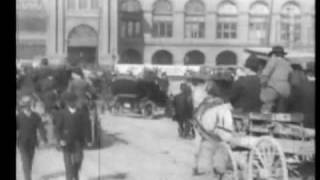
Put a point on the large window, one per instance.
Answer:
(258, 23)
(94, 4)
(131, 19)
(227, 21)
(71, 4)
(290, 24)
(162, 19)
(194, 19)
(83, 4)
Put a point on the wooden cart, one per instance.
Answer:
(269, 147)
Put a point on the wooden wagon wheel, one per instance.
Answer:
(232, 170)
(267, 161)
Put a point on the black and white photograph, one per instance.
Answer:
(165, 90)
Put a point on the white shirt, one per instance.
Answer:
(199, 93)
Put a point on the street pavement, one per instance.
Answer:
(132, 149)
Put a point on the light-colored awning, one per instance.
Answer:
(295, 56)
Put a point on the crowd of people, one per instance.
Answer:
(272, 86)
(66, 95)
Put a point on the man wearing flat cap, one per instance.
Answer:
(28, 123)
(72, 135)
(275, 81)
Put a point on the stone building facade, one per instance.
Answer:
(171, 31)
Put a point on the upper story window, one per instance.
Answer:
(94, 4)
(71, 4)
(162, 19)
(290, 26)
(227, 21)
(31, 17)
(258, 22)
(82, 4)
(194, 19)
(131, 19)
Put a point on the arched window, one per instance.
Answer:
(131, 56)
(290, 23)
(226, 58)
(162, 57)
(131, 19)
(227, 21)
(162, 19)
(194, 58)
(258, 22)
(194, 19)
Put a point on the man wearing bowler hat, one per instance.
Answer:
(72, 135)
(275, 81)
(28, 122)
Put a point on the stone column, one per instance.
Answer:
(51, 30)
(147, 26)
(275, 30)
(178, 25)
(305, 26)
(242, 33)
(114, 30)
(103, 33)
(60, 38)
(210, 29)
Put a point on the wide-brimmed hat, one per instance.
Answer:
(277, 50)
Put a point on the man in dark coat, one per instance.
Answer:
(302, 98)
(245, 93)
(183, 109)
(72, 135)
(28, 123)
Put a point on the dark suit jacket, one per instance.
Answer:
(245, 94)
(183, 107)
(72, 128)
(27, 129)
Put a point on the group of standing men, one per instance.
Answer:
(71, 121)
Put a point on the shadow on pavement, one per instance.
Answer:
(117, 176)
(107, 140)
(53, 175)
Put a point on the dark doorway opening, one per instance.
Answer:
(194, 58)
(162, 57)
(226, 58)
(131, 56)
(83, 55)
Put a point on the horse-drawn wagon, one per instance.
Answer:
(259, 146)
(137, 96)
(269, 146)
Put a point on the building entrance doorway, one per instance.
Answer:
(84, 55)
(82, 45)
